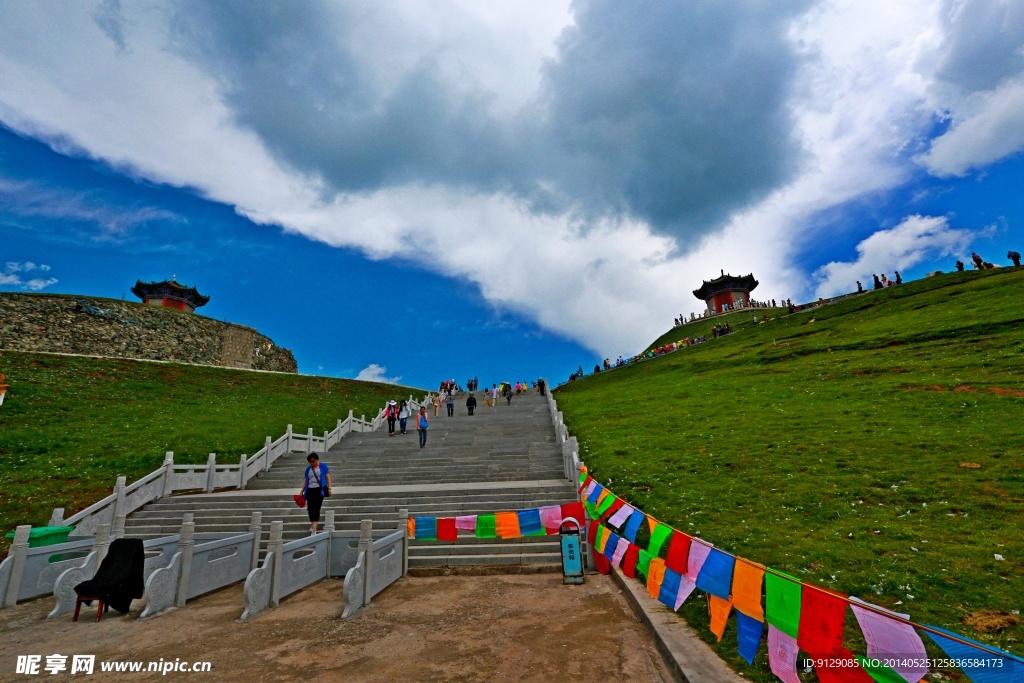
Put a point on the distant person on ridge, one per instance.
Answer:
(860, 287)
(979, 263)
(878, 283)
(471, 403)
(1015, 257)
(960, 266)
(899, 278)
(422, 425)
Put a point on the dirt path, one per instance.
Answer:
(494, 628)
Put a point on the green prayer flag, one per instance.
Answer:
(583, 477)
(605, 504)
(879, 672)
(643, 565)
(782, 601)
(485, 526)
(660, 534)
(539, 532)
(591, 510)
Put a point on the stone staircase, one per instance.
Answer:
(503, 458)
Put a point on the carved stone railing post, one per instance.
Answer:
(288, 440)
(309, 440)
(268, 458)
(211, 471)
(117, 530)
(326, 435)
(366, 547)
(329, 527)
(18, 551)
(168, 474)
(256, 529)
(275, 548)
(56, 517)
(403, 525)
(186, 544)
(101, 543)
(119, 492)
(241, 473)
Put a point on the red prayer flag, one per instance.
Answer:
(678, 551)
(574, 510)
(601, 563)
(822, 614)
(613, 508)
(446, 530)
(629, 561)
(586, 483)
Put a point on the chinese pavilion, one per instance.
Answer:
(169, 293)
(726, 291)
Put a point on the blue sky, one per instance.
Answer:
(450, 188)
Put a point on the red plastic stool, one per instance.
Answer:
(101, 606)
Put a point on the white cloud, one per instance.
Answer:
(865, 88)
(912, 241)
(376, 373)
(10, 276)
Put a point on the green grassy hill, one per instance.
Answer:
(71, 425)
(874, 446)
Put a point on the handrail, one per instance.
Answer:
(175, 477)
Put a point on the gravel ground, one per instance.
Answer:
(455, 628)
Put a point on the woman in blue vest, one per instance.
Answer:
(316, 485)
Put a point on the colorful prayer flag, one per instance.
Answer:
(748, 635)
(601, 540)
(892, 640)
(678, 551)
(620, 552)
(669, 588)
(630, 560)
(686, 588)
(506, 524)
(605, 503)
(610, 545)
(782, 601)
(715, 576)
(410, 527)
(746, 589)
(983, 664)
(659, 535)
(605, 495)
(426, 528)
(529, 522)
(574, 511)
(551, 517)
(485, 526)
(595, 493)
(782, 651)
(699, 552)
(822, 613)
(655, 575)
(465, 523)
(620, 516)
(643, 562)
(446, 530)
(633, 525)
(591, 510)
(720, 610)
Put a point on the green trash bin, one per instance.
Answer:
(38, 536)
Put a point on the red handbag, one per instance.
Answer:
(300, 500)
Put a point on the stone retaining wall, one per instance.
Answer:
(122, 329)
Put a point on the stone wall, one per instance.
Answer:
(122, 329)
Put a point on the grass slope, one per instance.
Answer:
(828, 444)
(71, 425)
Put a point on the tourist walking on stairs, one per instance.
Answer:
(471, 403)
(391, 414)
(403, 416)
(437, 404)
(449, 402)
(422, 425)
(316, 485)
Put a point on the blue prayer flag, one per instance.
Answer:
(529, 522)
(748, 635)
(611, 545)
(595, 494)
(426, 528)
(981, 666)
(670, 588)
(715, 576)
(633, 525)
